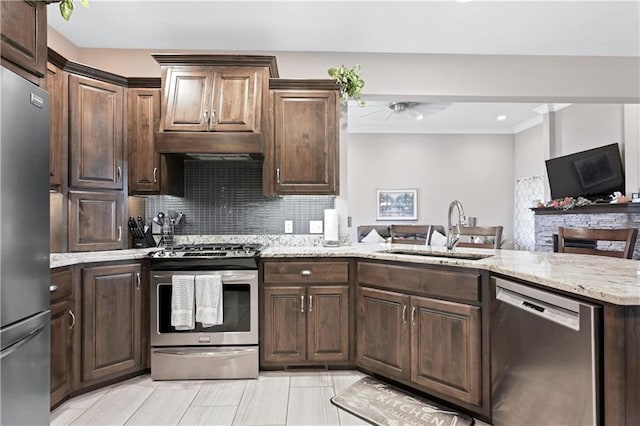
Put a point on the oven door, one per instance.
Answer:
(240, 311)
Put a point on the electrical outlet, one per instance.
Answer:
(288, 227)
(315, 227)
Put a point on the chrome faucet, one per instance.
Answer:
(452, 240)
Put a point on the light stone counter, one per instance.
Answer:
(57, 260)
(600, 278)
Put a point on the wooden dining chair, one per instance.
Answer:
(410, 234)
(626, 235)
(490, 236)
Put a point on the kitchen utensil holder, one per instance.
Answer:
(168, 228)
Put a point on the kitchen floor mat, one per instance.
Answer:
(382, 404)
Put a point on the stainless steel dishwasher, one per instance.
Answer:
(544, 358)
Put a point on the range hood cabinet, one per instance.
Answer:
(214, 104)
(209, 143)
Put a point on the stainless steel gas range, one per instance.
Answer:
(225, 351)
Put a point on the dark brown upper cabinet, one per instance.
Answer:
(23, 25)
(149, 171)
(213, 104)
(96, 220)
(143, 117)
(207, 99)
(96, 140)
(305, 138)
(57, 93)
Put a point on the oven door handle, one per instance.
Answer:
(226, 279)
(221, 354)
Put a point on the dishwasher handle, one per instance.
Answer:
(548, 311)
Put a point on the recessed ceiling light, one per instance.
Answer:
(501, 117)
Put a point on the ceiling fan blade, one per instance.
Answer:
(372, 112)
(432, 107)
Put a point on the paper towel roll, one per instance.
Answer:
(331, 225)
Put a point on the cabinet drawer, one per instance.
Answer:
(306, 272)
(464, 286)
(63, 279)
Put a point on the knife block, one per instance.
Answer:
(145, 242)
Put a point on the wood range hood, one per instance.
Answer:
(210, 145)
(214, 106)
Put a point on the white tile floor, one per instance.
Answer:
(275, 398)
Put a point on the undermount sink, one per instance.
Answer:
(453, 254)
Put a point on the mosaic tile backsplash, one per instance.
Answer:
(225, 198)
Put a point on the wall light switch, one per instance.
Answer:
(288, 227)
(315, 227)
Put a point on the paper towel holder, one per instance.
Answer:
(331, 228)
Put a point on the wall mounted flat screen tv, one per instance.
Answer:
(594, 174)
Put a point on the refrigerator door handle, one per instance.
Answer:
(14, 346)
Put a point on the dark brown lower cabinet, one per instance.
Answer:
(328, 323)
(306, 324)
(285, 325)
(383, 334)
(306, 318)
(111, 321)
(63, 328)
(445, 348)
(430, 343)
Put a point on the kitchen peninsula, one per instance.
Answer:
(611, 283)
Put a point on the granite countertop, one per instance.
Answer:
(600, 278)
(57, 260)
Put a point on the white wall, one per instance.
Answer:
(585, 126)
(475, 169)
(528, 158)
(470, 77)
(632, 148)
(478, 170)
(579, 127)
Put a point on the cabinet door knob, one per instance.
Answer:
(155, 174)
(73, 319)
(278, 175)
(118, 174)
(302, 304)
(404, 314)
(53, 288)
(310, 303)
(305, 273)
(138, 280)
(119, 232)
(213, 117)
(413, 316)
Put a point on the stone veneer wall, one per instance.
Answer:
(547, 224)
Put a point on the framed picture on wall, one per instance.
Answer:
(397, 204)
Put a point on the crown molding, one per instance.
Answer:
(527, 124)
(547, 108)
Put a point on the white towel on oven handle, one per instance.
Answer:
(209, 300)
(182, 302)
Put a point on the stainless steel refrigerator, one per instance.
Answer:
(24, 251)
